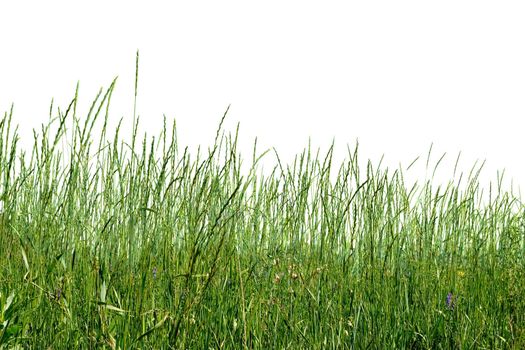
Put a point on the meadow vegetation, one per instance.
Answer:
(134, 243)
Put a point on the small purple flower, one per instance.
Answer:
(450, 301)
(155, 272)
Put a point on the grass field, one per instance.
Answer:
(131, 243)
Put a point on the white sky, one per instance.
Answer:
(397, 75)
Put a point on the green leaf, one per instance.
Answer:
(103, 291)
(157, 326)
(8, 302)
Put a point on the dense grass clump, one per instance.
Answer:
(108, 243)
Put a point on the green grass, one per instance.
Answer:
(109, 242)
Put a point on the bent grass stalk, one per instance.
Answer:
(116, 245)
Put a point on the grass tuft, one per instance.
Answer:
(106, 244)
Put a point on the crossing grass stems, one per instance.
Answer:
(110, 244)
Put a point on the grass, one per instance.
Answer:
(108, 243)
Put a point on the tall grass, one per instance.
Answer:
(106, 243)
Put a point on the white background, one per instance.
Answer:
(397, 75)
